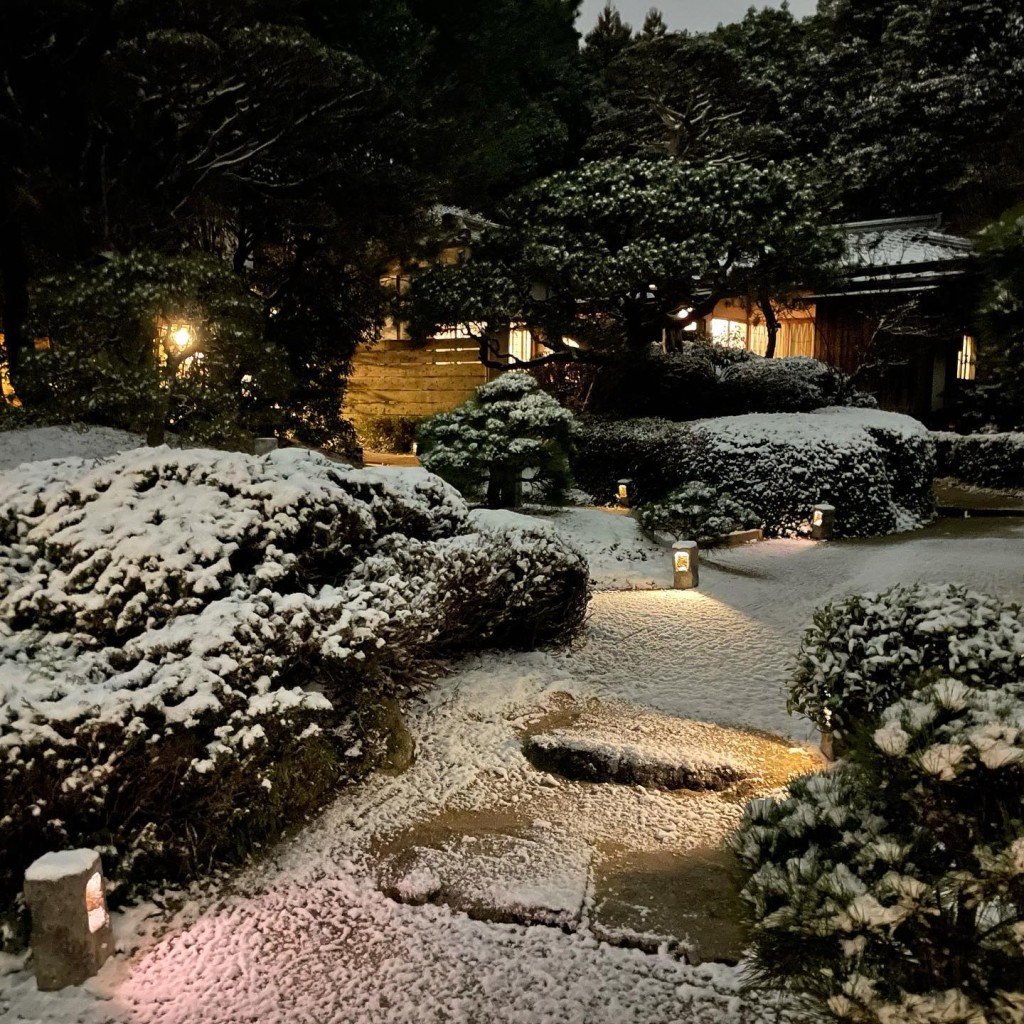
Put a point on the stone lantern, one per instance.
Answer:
(71, 936)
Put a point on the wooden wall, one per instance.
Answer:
(396, 378)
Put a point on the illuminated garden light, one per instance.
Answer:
(823, 517)
(624, 492)
(71, 936)
(685, 565)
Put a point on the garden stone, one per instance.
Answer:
(685, 902)
(490, 866)
(589, 759)
(71, 935)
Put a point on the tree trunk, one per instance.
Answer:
(502, 488)
(771, 323)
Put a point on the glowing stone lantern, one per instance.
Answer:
(71, 936)
(624, 493)
(685, 565)
(823, 518)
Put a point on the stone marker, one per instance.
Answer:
(71, 936)
(685, 565)
(823, 519)
(265, 445)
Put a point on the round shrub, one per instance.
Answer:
(862, 654)
(697, 512)
(892, 888)
(185, 637)
(509, 430)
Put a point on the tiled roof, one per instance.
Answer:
(900, 244)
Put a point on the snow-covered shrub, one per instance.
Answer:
(184, 637)
(891, 889)
(862, 654)
(508, 430)
(700, 379)
(986, 460)
(697, 512)
(875, 467)
(790, 384)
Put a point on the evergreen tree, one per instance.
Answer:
(608, 254)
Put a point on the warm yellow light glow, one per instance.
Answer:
(181, 336)
(95, 903)
(818, 519)
(623, 490)
(682, 561)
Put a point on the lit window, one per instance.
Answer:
(967, 359)
(520, 345)
(729, 333)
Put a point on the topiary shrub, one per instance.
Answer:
(892, 888)
(188, 639)
(697, 512)
(509, 430)
(863, 654)
(700, 379)
(875, 467)
(985, 460)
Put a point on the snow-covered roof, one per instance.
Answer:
(903, 242)
(901, 254)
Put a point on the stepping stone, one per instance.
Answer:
(538, 876)
(685, 902)
(652, 761)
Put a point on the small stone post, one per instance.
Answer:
(624, 493)
(685, 565)
(265, 445)
(71, 936)
(823, 519)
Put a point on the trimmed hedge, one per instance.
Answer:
(875, 467)
(192, 643)
(985, 460)
(702, 379)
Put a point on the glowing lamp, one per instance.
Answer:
(71, 936)
(624, 493)
(823, 518)
(685, 565)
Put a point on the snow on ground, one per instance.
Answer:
(305, 936)
(35, 444)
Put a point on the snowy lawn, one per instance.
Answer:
(34, 444)
(305, 936)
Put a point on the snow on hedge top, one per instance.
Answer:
(126, 543)
(35, 444)
(838, 424)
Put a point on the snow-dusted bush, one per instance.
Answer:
(697, 512)
(700, 379)
(875, 467)
(509, 429)
(790, 384)
(184, 637)
(986, 460)
(866, 652)
(891, 889)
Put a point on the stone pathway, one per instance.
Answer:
(624, 833)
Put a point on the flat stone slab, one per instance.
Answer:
(684, 902)
(586, 759)
(538, 876)
(636, 749)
